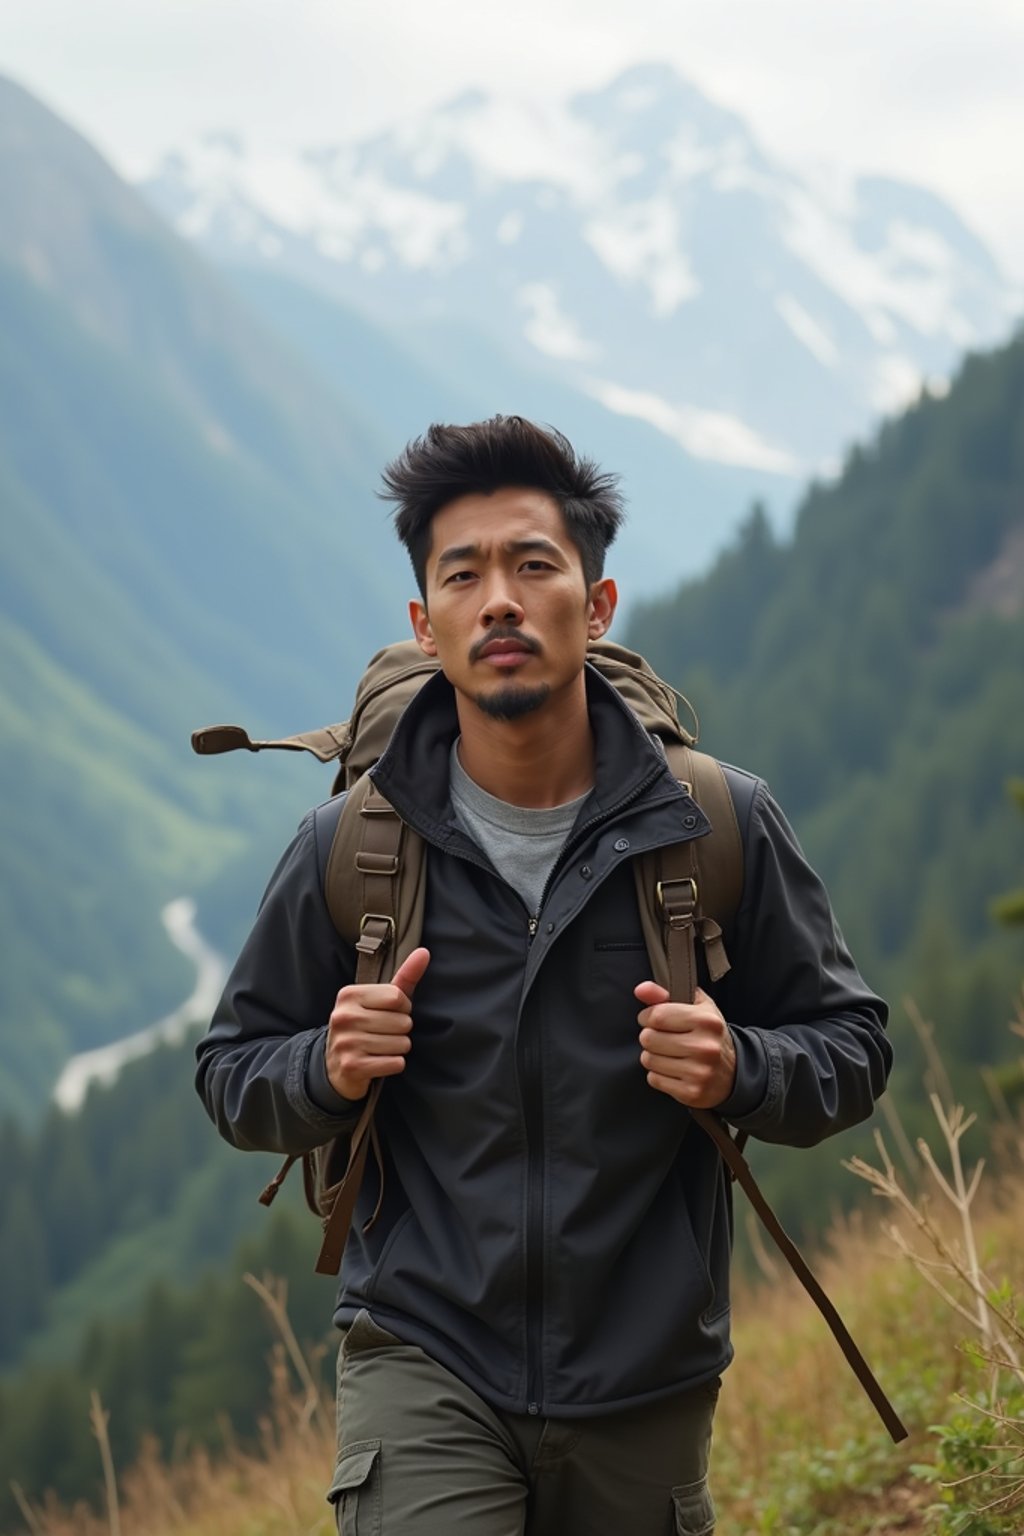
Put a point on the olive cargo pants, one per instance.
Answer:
(421, 1454)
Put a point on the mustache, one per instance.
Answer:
(503, 632)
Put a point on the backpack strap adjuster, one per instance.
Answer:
(376, 863)
(678, 900)
(376, 935)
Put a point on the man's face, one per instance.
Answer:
(508, 612)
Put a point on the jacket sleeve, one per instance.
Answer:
(812, 1051)
(261, 1069)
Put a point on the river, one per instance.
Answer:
(103, 1064)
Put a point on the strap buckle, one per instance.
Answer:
(671, 898)
(370, 943)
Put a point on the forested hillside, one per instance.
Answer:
(185, 538)
(872, 669)
(124, 1230)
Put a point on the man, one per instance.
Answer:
(536, 1323)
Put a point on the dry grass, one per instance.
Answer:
(275, 1490)
(798, 1447)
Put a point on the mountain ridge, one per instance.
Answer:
(639, 243)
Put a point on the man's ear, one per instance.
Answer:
(601, 605)
(421, 627)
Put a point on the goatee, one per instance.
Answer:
(513, 703)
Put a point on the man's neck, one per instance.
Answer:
(545, 758)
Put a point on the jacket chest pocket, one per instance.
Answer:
(617, 961)
(355, 1490)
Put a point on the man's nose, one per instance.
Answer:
(501, 607)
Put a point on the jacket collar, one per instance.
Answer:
(414, 770)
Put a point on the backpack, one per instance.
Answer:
(688, 894)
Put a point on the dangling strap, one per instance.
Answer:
(269, 1194)
(678, 904)
(339, 1219)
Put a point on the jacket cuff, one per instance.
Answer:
(751, 1084)
(320, 1090)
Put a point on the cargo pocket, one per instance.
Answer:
(355, 1490)
(695, 1510)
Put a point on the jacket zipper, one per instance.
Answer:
(533, 1125)
(533, 1120)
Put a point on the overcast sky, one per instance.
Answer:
(928, 90)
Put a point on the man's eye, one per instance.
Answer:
(458, 576)
(537, 565)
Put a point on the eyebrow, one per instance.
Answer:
(536, 546)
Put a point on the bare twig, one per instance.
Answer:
(274, 1296)
(28, 1514)
(994, 1089)
(100, 1419)
(954, 1126)
(960, 1192)
(891, 1116)
(936, 1076)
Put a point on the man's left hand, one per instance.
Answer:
(686, 1048)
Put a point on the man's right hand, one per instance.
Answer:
(369, 1029)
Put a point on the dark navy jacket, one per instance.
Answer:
(553, 1230)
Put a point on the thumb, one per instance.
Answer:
(649, 993)
(411, 972)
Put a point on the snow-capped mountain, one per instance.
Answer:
(636, 242)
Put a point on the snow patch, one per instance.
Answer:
(733, 172)
(322, 198)
(636, 98)
(641, 242)
(687, 156)
(509, 229)
(548, 328)
(714, 435)
(807, 330)
(512, 141)
(336, 246)
(912, 279)
(895, 383)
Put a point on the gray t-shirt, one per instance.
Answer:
(521, 843)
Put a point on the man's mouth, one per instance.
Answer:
(505, 651)
(505, 655)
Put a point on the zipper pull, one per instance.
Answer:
(532, 926)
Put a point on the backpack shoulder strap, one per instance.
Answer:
(374, 887)
(375, 881)
(691, 890)
(720, 853)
